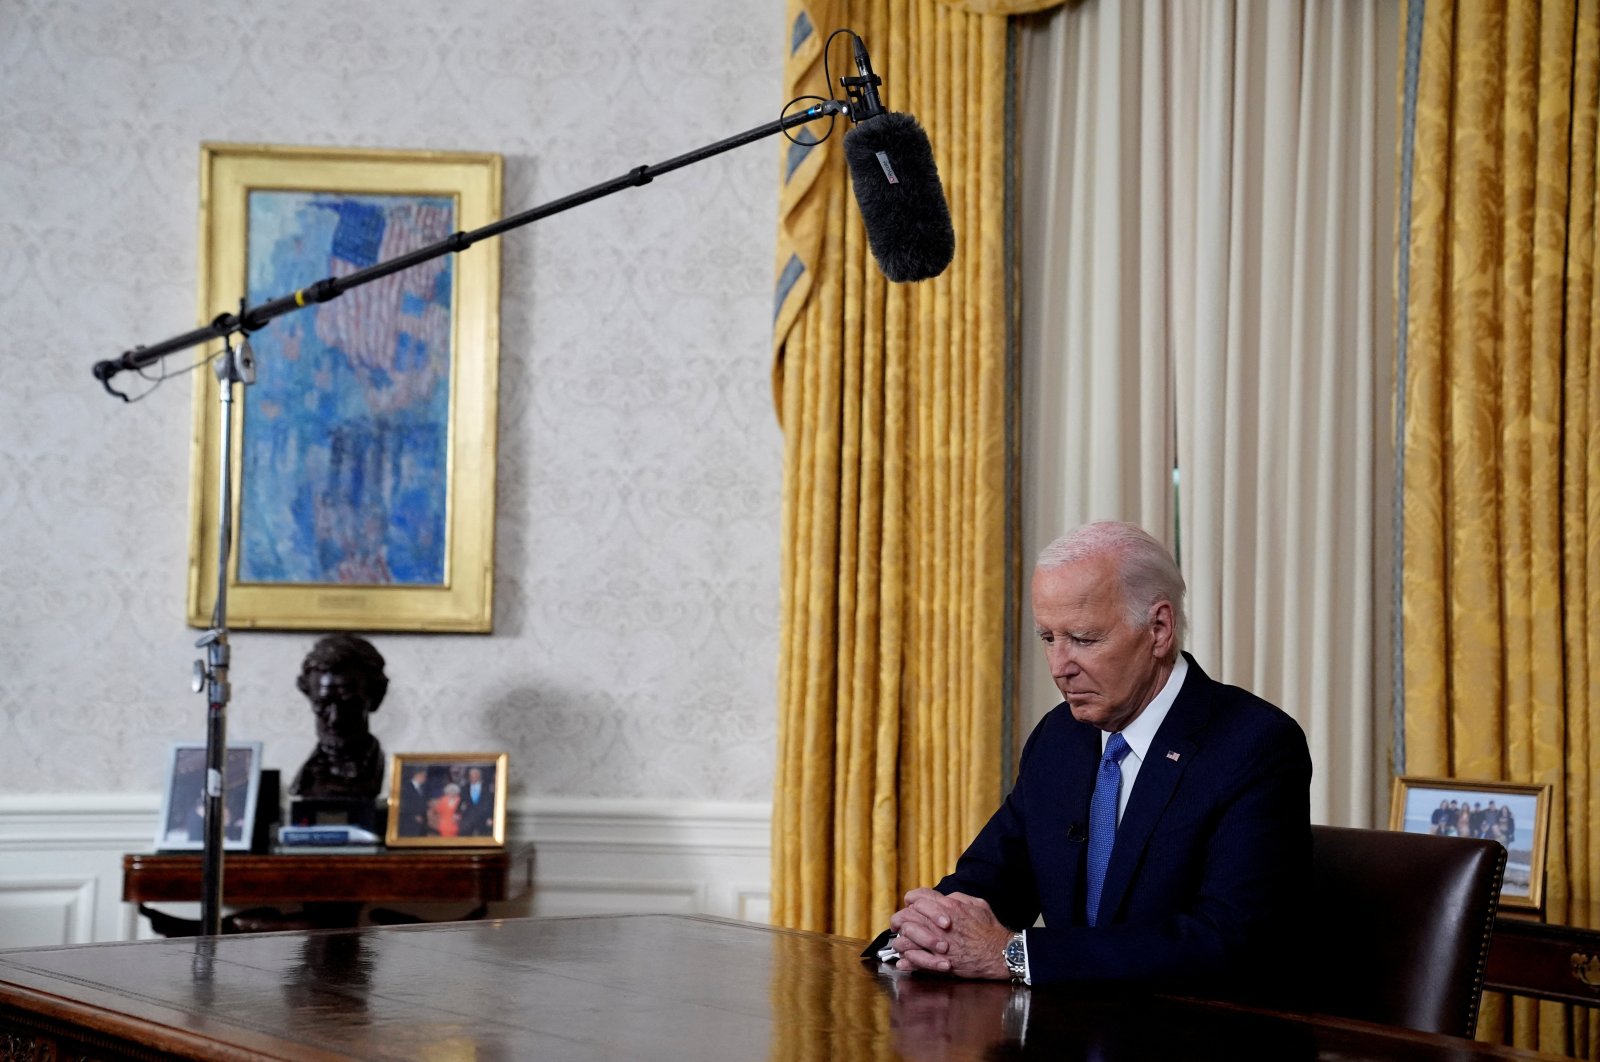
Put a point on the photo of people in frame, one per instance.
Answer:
(183, 803)
(447, 799)
(1509, 815)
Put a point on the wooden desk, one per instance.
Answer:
(331, 888)
(1555, 958)
(645, 986)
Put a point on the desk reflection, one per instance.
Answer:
(332, 977)
(945, 1021)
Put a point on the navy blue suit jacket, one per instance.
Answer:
(1213, 849)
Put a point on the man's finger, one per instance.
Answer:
(920, 941)
(934, 906)
(911, 916)
(923, 960)
(919, 934)
(969, 901)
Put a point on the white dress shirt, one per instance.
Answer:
(1142, 731)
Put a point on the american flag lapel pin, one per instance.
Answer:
(1173, 756)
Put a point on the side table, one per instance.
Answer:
(331, 889)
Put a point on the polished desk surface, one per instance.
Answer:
(621, 987)
(397, 875)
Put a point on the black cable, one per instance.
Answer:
(827, 81)
(157, 381)
(815, 140)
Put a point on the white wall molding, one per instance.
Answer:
(609, 856)
(643, 827)
(61, 860)
(36, 911)
(77, 821)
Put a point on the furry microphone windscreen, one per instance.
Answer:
(902, 202)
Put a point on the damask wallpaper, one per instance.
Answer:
(634, 651)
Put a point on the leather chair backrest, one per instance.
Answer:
(1402, 923)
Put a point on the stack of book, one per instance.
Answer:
(346, 839)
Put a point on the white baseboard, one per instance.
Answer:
(61, 861)
(627, 856)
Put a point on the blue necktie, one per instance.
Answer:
(1103, 819)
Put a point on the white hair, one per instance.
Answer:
(1144, 566)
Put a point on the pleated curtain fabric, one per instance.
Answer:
(1097, 361)
(898, 556)
(1501, 402)
(1206, 288)
(1280, 277)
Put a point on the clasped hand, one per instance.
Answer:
(955, 934)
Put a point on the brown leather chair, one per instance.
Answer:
(1401, 925)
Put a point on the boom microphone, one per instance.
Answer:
(896, 183)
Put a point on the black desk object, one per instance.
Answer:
(624, 987)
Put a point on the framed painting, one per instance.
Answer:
(183, 797)
(1518, 816)
(364, 452)
(447, 799)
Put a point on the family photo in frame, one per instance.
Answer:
(183, 797)
(445, 799)
(1516, 816)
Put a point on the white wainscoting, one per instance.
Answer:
(61, 861)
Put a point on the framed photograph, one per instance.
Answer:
(364, 452)
(183, 800)
(1518, 816)
(447, 799)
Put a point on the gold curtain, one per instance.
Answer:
(1002, 7)
(898, 539)
(1501, 393)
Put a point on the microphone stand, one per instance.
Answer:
(236, 367)
(256, 317)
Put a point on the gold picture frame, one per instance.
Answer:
(1451, 806)
(432, 803)
(364, 453)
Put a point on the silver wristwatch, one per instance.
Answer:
(1016, 956)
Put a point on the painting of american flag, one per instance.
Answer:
(344, 473)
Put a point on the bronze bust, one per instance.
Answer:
(343, 678)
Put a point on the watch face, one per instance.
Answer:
(1014, 955)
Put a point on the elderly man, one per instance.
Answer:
(1160, 821)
